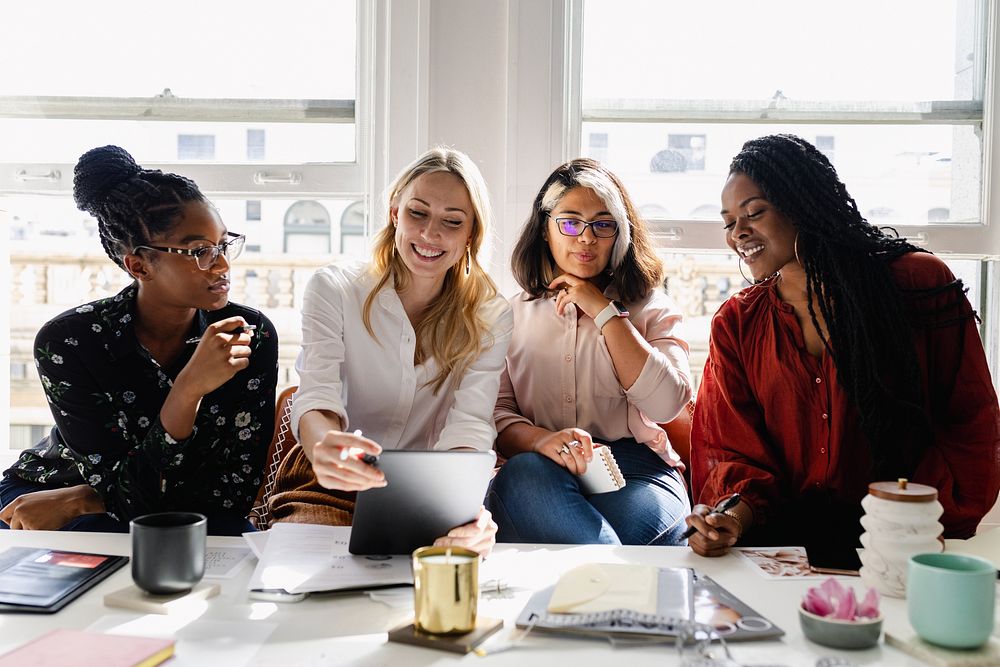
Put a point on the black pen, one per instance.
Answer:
(724, 504)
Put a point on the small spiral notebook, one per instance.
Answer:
(682, 596)
(603, 474)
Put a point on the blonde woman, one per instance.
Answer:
(407, 348)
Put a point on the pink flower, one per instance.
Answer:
(837, 601)
(869, 606)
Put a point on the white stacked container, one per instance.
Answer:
(901, 519)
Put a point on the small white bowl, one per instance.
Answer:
(836, 633)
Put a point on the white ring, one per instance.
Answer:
(564, 450)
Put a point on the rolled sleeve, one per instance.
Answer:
(470, 419)
(322, 355)
(507, 411)
(663, 387)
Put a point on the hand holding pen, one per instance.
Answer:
(722, 507)
(344, 461)
(222, 351)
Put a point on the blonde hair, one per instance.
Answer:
(452, 330)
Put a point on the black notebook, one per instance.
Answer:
(44, 581)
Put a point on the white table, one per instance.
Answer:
(351, 629)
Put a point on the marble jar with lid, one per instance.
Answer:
(901, 519)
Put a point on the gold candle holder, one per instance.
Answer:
(445, 590)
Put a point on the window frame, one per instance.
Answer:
(979, 240)
(259, 178)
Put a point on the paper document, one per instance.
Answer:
(598, 587)
(224, 562)
(304, 558)
(256, 540)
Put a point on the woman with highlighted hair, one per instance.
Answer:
(594, 362)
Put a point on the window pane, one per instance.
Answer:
(891, 50)
(54, 140)
(241, 49)
(903, 174)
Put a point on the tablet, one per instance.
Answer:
(46, 580)
(428, 494)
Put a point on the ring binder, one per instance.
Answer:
(603, 474)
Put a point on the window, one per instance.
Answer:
(195, 147)
(826, 143)
(900, 113)
(255, 144)
(258, 130)
(599, 146)
(253, 210)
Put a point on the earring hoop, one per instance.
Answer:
(795, 248)
(468, 258)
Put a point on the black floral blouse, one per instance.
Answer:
(106, 391)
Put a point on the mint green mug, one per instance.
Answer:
(950, 598)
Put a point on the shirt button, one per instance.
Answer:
(816, 484)
(569, 399)
(822, 450)
(568, 358)
(818, 380)
(826, 416)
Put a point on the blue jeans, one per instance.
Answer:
(535, 500)
(11, 487)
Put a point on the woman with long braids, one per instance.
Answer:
(163, 395)
(854, 357)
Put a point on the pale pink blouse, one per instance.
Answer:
(559, 374)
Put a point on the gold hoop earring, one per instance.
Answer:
(468, 259)
(795, 249)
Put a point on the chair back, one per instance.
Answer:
(281, 444)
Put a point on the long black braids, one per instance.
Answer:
(870, 334)
(131, 204)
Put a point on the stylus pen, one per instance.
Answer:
(370, 459)
(724, 504)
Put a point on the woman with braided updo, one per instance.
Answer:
(163, 395)
(854, 357)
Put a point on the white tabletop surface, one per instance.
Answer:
(351, 629)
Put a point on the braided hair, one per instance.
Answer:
(131, 204)
(846, 262)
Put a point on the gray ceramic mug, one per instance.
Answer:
(168, 551)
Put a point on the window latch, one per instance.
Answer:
(51, 176)
(265, 178)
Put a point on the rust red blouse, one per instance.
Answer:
(772, 423)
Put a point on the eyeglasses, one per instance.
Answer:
(603, 229)
(205, 256)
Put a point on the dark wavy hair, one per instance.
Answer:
(846, 261)
(131, 204)
(635, 268)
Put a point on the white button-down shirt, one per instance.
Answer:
(560, 374)
(373, 384)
